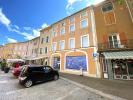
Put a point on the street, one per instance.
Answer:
(53, 90)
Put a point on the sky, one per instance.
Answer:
(21, 20)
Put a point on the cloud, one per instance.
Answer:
(3, 19)
(44, 25)
(74, 5)
(27, 28)
(10, 40)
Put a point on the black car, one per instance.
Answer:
(32, 74)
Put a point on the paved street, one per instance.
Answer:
(54, 90)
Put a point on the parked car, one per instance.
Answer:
(32, 74)
(17, 68)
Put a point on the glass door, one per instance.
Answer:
(113, 41)
(130, 68)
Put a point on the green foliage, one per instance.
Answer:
(120, 1)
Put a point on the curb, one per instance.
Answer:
(109, 96)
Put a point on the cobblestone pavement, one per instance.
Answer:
(53, 90)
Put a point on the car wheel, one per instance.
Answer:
(28, 83)
(56, 77)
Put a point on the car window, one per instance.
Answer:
(47, 69)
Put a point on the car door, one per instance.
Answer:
(38, 74)
(48, 73)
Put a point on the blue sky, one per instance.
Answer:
(21, 20)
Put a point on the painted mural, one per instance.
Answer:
(76, 62)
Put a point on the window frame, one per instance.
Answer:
(81, 23)
(61, 31)
(70, 27)
(70, 45)
(60, 44)
(87, 35)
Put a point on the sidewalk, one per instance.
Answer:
(120, 88)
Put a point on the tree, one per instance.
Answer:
(120, 1)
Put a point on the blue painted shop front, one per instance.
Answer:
(76, 62)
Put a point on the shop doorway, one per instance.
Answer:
(56, 63)
(122, 69)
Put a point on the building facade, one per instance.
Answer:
(114, 29)
(73, 44)
(33, 49)
(44, 46)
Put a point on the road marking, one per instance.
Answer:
(70, 93)
(1, 82)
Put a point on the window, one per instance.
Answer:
(113, 41)
(63, 24)
(54, 47)
(62, 45)
(54, 34)
(72, 20)
(46, 50)
(72, 43)
(40, 50)
(84, 41)
(72, 28)
(42, 41)
(84, 23)
(47, 39)
(62, 32)
(107, 7)
(83, 14)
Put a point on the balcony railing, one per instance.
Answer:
(116, 45)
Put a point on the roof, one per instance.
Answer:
(119, 55)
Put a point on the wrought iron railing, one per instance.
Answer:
(113, 45)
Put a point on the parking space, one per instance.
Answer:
(53, 90)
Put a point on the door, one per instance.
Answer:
(37, 74)
(120, 69)
(56, 63)
(130, 68)
(48, 73)
(113, 41)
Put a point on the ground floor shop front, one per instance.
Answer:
(78, 61)
(117, 65)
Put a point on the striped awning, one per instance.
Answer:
(119, 55)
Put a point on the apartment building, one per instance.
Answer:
(114, 30)
(7, 51)
(73, 44)
(33, 49)
(44, 46)
(20, 50)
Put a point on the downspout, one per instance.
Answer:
(95, 41)
(129, 10)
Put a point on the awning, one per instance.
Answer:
(119, 55)
(36, 58)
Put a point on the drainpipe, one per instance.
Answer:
(93, 23)
(129, 10)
